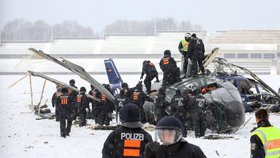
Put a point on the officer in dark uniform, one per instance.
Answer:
(82, 104)
(65, 107)
(139, 98)
(73, 95)
(169, 133)
(161, 104)
(151, 72)
(179, 110)
(265, 139)
(99, 109)
(127, 91)
(198, 114)
(121, 100)
(183, 49)
(171, 73)
(188, 94)
(196, 54)
(93, 103)
(54, 96)
(106, 107)
(128, 139)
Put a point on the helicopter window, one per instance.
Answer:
(209, 88)
(245, 87)
(233, 82)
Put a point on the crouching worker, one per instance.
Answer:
(170, 143)
(129, 139)
(65, 108)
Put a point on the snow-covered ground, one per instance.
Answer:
(23, 136)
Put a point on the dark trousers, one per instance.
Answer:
(147, 82)
(185, 66)
(199, 123)
(167, 78)
(194, 69)
(182, 118)
(82, 118)
(65, 129)
(171, 76)
(200, 64)
(143, 115)
(57, 115)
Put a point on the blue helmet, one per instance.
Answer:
(167, 53)
(130, 116)
(169, 130)
(170, 122)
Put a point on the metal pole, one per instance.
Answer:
(40, 101)
(31, 92)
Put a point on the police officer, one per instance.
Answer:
(93, 102)
(127, 91)
(106, 108)
(54, 96)
(196, 54)
(183, 49)
(265, 139)
(169, 133)
(179, 110)
(199, 107)
(99, 109)
(139, 98)
(171, 73)
(151, 72)
(65, 107)
(129, 139)
(121, 100)
(73, 95)
(82, 104)
(161, 104)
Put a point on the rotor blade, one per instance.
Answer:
(210, 57)
(47, 56)
(84, 75)
(77, 70)
(37, 74)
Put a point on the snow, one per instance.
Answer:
(23, 136)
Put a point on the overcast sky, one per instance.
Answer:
(213, 15)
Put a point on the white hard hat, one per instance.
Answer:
(188, 35)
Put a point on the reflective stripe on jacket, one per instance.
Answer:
(270, 137)
(185, 45)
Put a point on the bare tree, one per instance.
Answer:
(71, 29)
(149, 26)
(22, 30)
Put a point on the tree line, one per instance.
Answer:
(150, 26)
(23, 30)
